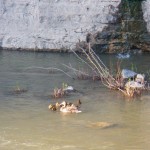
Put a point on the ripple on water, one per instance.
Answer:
(4, 142)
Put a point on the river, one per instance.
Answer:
(27, 124)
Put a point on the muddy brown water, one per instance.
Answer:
(26, 122)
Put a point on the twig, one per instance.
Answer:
(76, 70)
(49, 68)
(82, 59)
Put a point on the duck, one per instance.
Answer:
(78, 103)
(69, 108)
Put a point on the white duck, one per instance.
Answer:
(68, 108)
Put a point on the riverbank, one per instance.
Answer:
(63, 51)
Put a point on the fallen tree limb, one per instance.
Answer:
(49, 68)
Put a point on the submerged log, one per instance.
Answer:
(102, 125)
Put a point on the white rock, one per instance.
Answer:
(140, 78)
(134, 84)
(128, 73)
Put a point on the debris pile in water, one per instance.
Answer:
(128, 82)
(134, 83)
(63, 91)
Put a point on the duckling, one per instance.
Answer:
(57, 105)
(52, 107)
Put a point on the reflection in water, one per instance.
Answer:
(26, 122)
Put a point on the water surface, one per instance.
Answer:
(27, 124)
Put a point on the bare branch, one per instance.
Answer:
(49, 68)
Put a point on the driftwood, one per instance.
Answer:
(99, 71)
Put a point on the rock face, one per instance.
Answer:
(146, 13)
(52, 24)
(145, 39)
(129, 32)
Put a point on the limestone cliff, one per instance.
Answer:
(129, 32)
(146, 13)
(52, 24)
(110, 25)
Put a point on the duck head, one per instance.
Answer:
(57, 105)
(63, 104)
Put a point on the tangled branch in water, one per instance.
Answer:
(116, 82)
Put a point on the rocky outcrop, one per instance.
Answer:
(52, 24)
(145, 38)
(55, 25)
(129, 32)
(146, 13)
